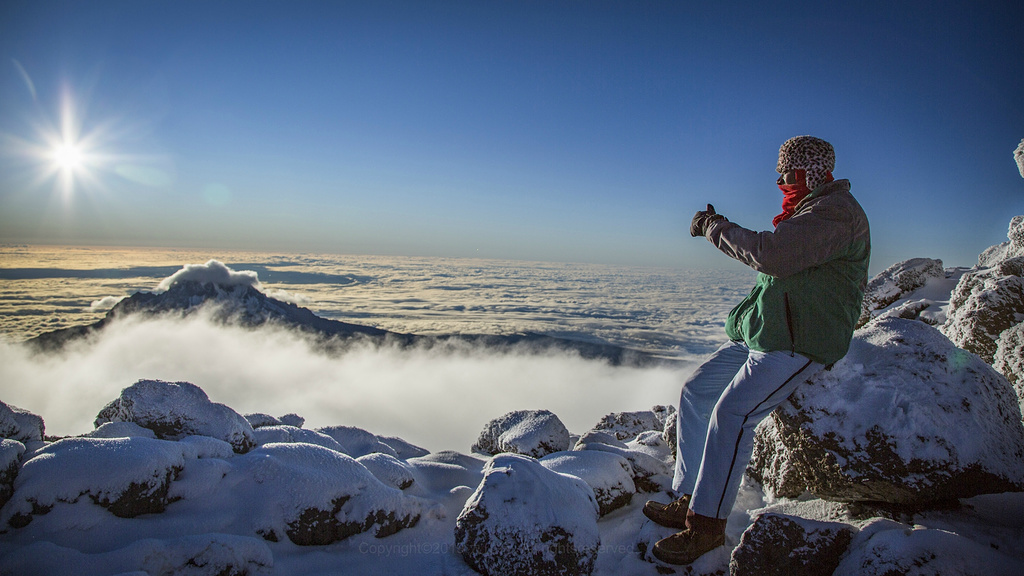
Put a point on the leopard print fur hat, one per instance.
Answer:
(814, 155)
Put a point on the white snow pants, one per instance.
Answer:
(719, 407)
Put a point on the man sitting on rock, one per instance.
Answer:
(798, 318)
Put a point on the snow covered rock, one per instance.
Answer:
(885, 548)
(534, 433)
(1009, 357)
(259, 419)
(609, 475)
(905, 418)
(284, 434)
(20, 425)
(10, 462)
(651, 472)
(1012, 248)
(173, 410)
(1018, 156)
(525, 519)
(193, 555)
(782, 545)
(984, 304)
(119, 430)
(404, 450)
(627, 425)
(445, 470)
(388, 469)
(357, 442)
(895, 282)
(317, 496)
(127, 476)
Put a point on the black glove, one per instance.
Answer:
(703, 219)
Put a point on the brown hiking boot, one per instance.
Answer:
(702, 535)
(671, 515)
(686, 546)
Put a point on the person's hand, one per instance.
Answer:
(703, 219)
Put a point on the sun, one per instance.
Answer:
(68, 156)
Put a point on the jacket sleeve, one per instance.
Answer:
(807, 239)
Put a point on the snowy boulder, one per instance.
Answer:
(1018, 157)
(627, 425)
(442, 471)
(127, 476)
(20, 425)
(897, 281)
(357, 442)
(176, 409)
(985, 303)
(404, 450)
(11, 452)
(651, 471)
(119, 430)
(388, 469)
(192, 555)
(885, 548)
(285, 434)
(905, 418)
(534, 433)
(1012, 248)
(609, 475)
(316, 496)
(259, 419)
(525, 519)
(783, 545)
(1009, 358)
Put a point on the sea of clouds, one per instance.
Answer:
(439, 398)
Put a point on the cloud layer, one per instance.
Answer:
(437, 399)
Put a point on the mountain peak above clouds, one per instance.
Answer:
(236, 298)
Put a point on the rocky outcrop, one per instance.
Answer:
(388, 469)
(628, 425)
(609, 475)
(317, 496)
(989, 301)
(524, 519)
(781, 545)
(1009, 358)
(651, 471)
(127, 476)
(895, 282)
(356, 442)
(534, 433)
(173, 410)
(906, 418)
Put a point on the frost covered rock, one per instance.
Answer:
(534, 433)
(388, 469)
(983, 305)
(1009, 357)
(285, 434)
(886, 548)
(905, 418)
(317, 496)
(11, 452)
(628, 425)
(609, 475)
(445, 470)
(525, 519)
(259, 419)
(782, 545)
(193, 555)
(20, 425)
(404, 450)
(897, 281)
(1012, 248)
(127, 476)
(357, 442)
(176, 409)
(651, 471)
(1018, 156)
(120, 430)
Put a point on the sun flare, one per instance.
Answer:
(68, 156)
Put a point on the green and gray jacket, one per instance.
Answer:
(812, 273)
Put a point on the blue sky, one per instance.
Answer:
(563, 131)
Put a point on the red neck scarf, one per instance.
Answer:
(793, 194)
